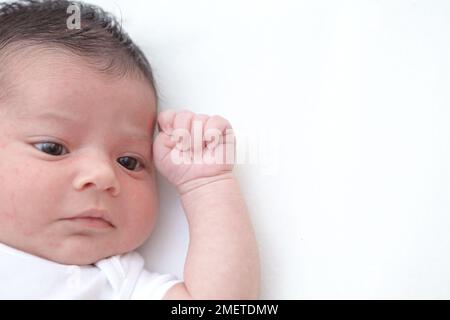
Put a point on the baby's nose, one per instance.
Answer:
(99, 174)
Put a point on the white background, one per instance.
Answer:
(342, 113)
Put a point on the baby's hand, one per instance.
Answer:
(193, 146)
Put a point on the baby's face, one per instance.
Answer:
(73, 140)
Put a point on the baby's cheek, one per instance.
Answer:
(139, 228)
(139, 223)
(10, 209)
(15, 222)
(26, 204)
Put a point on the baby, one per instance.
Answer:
(78, 160)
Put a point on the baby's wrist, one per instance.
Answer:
(199, 183)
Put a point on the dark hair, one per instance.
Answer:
(99, 38)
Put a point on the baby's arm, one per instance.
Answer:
(222, 261)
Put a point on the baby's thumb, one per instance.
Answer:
(165, 121)
(163, 143)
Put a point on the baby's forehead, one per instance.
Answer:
(69, 90)
(37, 67)
(89, 108)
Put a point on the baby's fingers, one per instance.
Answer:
(165, 121)
(216, 129)
(183, 120)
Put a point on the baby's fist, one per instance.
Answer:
(192, 146)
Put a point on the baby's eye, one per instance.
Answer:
(130, 163)
(50, 148)
(55, 149)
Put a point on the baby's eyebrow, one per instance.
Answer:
(138, 138)
(53, 116)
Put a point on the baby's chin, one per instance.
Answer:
(82, 250)
(68, 258)
(80, 247)
(80, 259)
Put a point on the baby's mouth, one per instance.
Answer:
(92, 218)
(91, 222)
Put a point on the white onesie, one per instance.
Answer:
(25, 276)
